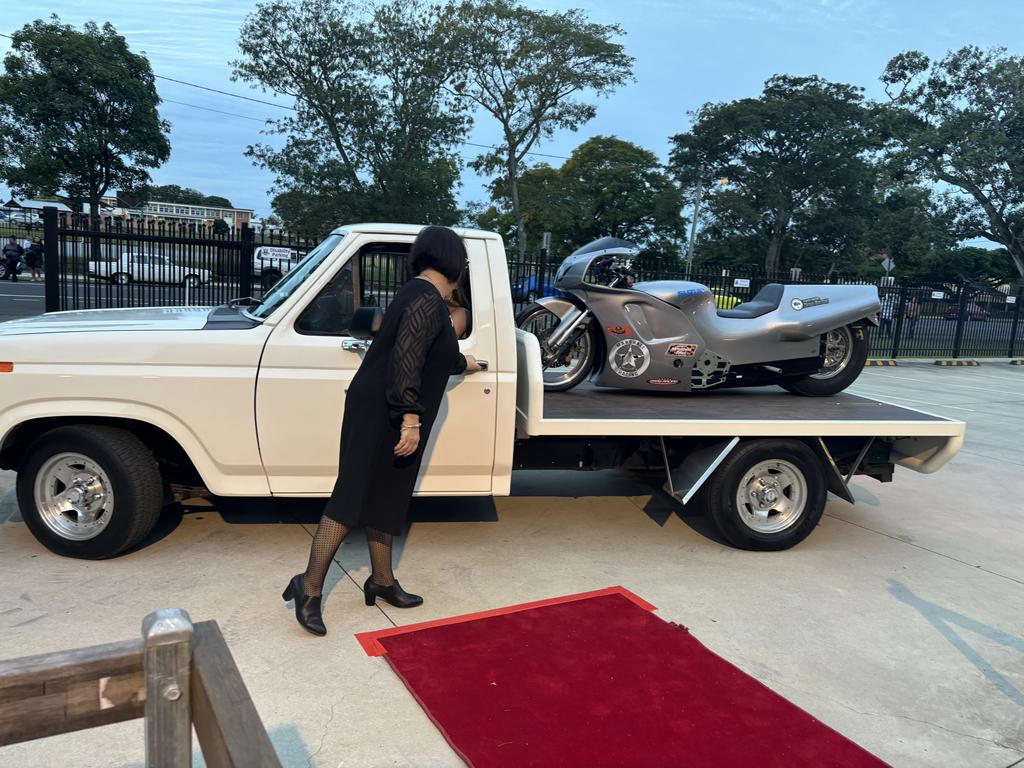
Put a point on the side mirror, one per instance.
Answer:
(366, 323)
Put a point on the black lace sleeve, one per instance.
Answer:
(420, 325)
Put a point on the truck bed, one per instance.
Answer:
(923, 441)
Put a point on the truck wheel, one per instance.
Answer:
(846, 350)
(191, 281)
(767, 494)
(89, 492)
(120, 278)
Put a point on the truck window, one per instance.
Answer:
(330, 313)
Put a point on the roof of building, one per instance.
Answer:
(36, 205)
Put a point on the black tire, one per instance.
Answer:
(723, 487)
(583, 370)
(121, 278)
(819, 385)
(191, 281)
(135, 484)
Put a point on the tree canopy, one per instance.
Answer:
(800, 151)
(78, 113)
(172, 193)
(959, 121)
(607, 187)
(529, 70)
(374, 131)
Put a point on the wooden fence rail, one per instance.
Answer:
(177, 676)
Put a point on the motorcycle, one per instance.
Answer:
(669, 334)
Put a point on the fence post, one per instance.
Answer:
(167, 661)
(901, 308)
(958, 337)
(1016, 321)
(51, 265)
(246, 253)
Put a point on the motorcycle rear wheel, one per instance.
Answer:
(846, 350)
(574, 364)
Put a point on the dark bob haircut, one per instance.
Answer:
(439, 248)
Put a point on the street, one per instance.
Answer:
(898, 622)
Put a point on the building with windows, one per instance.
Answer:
(176, 213)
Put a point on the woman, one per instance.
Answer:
(389, 411)
(34, 258)
(459, 314)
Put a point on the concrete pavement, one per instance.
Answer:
(899, 622)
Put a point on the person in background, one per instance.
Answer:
(12, 254)
(34, 259)
(911, 313)
(459, 314)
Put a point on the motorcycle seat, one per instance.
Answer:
(766, 300)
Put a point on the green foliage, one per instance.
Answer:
(607, 187)
(172, 193)
(375, 129)
(798, 154)
(221, 227)
(78, 113)
(959, 121)
(528, 69)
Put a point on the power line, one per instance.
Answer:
(282, 106)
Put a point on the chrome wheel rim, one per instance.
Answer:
(567, 366)
(74, 496)
(772, 496)
(838, 351)
(121, 279)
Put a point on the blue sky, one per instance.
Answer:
(687, 52)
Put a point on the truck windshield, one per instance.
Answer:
(288, 284)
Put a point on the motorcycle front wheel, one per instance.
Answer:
(573, 363)
(846, 350)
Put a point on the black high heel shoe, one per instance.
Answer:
(394, 594)
(307, 609)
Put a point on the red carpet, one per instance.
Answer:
(597, 680)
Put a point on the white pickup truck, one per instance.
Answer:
(102, 411)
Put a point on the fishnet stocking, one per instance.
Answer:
(380, 557)
(328, 537)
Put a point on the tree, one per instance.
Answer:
(78, 113)
(527, 68)
(802, 148)
(607, 187)
(960, 121)
(374, 129)
(221, 227)
(172, 193)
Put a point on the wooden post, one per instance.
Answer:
(167, 641)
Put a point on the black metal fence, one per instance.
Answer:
(130, 263)
(136, 264)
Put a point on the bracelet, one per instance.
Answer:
(410, 426)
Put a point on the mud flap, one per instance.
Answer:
(834, 479)
(684, 481)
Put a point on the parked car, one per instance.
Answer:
(526, 289)
(273, 262)
(3, 269)
(147, 268)
(725, 300)
(973, 312)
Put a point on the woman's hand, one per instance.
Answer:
(471, 364)
(409, 437)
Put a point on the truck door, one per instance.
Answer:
(305, 372)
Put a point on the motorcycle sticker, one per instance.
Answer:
(681, 350)
(619, 330)
(813, 301)
(663, 382)
(629, 358)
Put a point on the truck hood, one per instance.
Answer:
(127, 319)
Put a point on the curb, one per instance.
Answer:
(957, 363)
(887, 363)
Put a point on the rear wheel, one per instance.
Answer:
(89, 492)
(120, 278)
(767, 494)
(846, 351)
(573, 363)
(191, 281)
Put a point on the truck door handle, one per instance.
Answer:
(355, 345)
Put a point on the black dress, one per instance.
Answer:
(405, 370)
